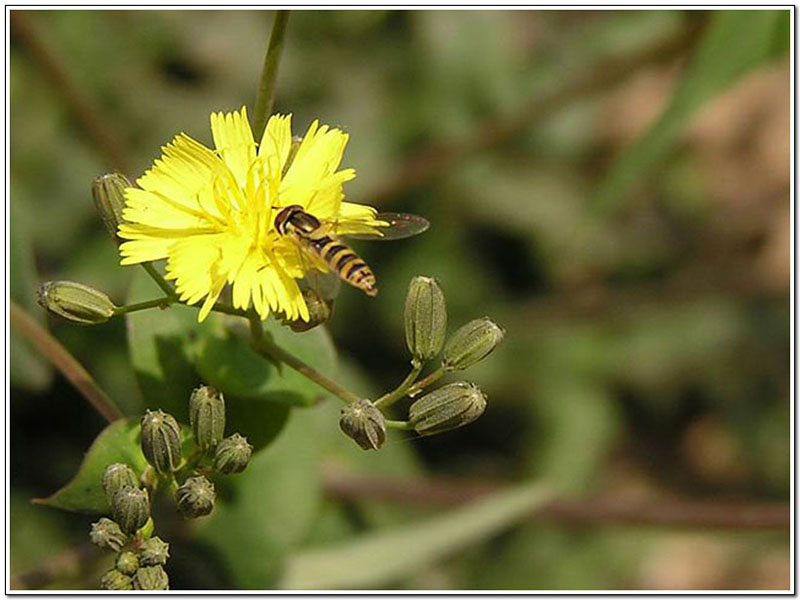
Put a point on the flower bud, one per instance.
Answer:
(319, 312)
(471, 344)
(161, 441)
(154, 551)
(195, 497)
(425, 318)
(75, 302)
(232, 455)
(207, 416)
(449, 407)
(363, 422)
(116, 476)
(107, 534)
(115, 580)
(127, 563)
(108, 193)
(130, 507)
(151, 578)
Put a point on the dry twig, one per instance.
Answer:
(592, 511)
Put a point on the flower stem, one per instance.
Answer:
(160, 281)
(154, 303)
(229, 310)
(269, 73)
(390, 398)
(404, 425)
(425, 382)
(270, 350)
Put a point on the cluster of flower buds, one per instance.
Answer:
(139, 568)
(230, 454)
(161, 446)
(448, 407)
(140, 557)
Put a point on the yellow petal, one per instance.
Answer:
(233, 139)
(184, 169)
(317, 158)
(211, 299)
(276, 142)
(139, 251)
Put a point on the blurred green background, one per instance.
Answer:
(610, 186)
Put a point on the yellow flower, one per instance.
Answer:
(211, 213)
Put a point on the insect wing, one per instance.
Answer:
(327, 285)
(401, 226)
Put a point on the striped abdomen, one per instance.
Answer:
(349, 265)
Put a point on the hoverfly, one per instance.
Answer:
(320, 239)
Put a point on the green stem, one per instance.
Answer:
(425, 382)
(404, 425)
(270, 350)
(229, 310)
(154, 303)
(190, 462)
(160, 281)
(269, 73)
(390, 398)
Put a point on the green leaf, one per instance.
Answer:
(270, 507)
(119, 442)
(159, 346)
(379, 558)
(580, 423)
(736, 42)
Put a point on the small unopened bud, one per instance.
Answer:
(319, 312)
(127, 563)
(363, 422)
(207, 416)
(108, 193)
(154, 551)
(161, 441)
(76, 302)
(232, 455)
(425, 318)
(130, 507)
(471, 344)
(115, 580)
(107, 534)
(195, 497)
(116, 476)
(449, 407)
(151, 578)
